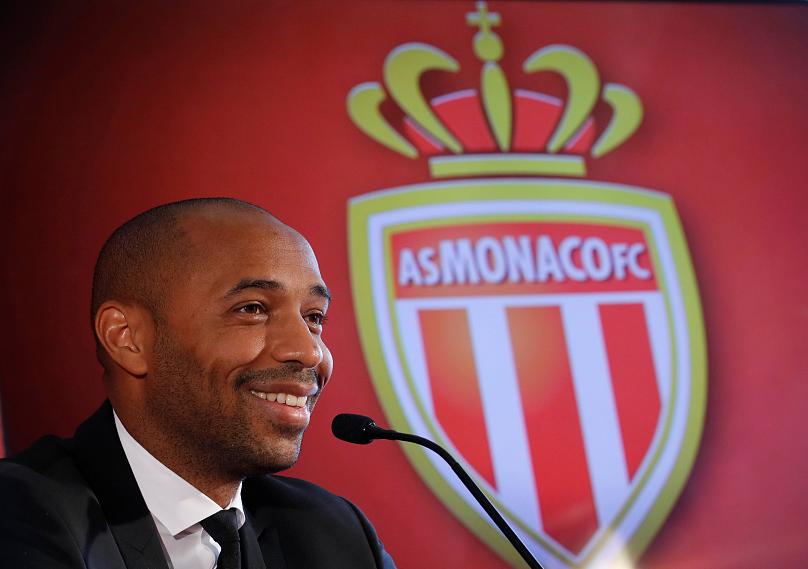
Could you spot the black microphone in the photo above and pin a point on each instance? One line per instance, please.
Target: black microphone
(358, 429)
(362, 430)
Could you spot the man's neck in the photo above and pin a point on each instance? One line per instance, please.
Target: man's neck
(219, 487)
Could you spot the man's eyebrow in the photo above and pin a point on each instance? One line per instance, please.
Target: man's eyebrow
(264, 284)
(244, 284)
(321, 290)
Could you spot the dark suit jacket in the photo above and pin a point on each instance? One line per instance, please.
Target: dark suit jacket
(74, 503)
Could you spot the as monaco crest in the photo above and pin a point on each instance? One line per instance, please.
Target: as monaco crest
(545, 328)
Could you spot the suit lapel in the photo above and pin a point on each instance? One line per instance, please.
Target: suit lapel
(260, 518)
(251, 555)
(101, 459)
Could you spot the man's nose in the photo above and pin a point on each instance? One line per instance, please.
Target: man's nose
(292, 341)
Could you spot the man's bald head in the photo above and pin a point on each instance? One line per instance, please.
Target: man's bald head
(147, 252)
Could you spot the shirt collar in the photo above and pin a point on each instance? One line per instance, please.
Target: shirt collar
(172, 500)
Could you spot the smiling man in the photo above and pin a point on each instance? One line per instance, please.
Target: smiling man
(208, 316)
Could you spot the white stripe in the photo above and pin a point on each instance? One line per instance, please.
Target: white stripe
(413, 342)
(503, 411)
(593, 392)
(659, 338)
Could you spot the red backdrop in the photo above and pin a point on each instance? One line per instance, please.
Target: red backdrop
(108, 109)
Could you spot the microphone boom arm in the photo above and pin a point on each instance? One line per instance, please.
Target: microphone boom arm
(373, 431)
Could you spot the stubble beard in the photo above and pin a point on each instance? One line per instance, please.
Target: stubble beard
(206, 435)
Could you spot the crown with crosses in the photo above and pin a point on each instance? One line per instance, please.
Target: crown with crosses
(470, 132)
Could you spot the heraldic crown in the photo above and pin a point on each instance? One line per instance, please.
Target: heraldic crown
(466, 138)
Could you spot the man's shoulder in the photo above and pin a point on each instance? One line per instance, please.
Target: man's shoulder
(293, 498)
(304, 513)
(49, 515)
(46, 469)
(49, 458)
(283, 491)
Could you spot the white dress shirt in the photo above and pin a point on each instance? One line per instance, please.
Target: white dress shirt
(176, 507)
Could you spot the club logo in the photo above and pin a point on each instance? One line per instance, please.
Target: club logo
(544, 327)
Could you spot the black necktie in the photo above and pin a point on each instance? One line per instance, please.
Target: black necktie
(223, 528)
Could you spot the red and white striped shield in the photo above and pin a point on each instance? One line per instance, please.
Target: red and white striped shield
(549, 334)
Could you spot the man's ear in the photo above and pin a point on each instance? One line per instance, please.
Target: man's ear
(124, 331)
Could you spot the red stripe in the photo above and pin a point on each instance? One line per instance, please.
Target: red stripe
(455, 391)
(551, 415)
(634, 379)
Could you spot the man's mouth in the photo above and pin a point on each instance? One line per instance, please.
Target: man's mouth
(282, 398)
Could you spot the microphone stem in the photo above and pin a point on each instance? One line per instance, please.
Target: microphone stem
(472, 487)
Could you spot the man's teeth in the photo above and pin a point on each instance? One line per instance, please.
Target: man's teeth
(285, 399)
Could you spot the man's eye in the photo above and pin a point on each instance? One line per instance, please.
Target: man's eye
(252, 308)
(316, 318)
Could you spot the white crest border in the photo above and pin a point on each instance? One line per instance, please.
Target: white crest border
(377, 222)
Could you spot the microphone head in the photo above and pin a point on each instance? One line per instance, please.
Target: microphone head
(356, 429)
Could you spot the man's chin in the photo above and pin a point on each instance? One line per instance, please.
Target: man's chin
(279, 456)
(268, 449)
(271, 467)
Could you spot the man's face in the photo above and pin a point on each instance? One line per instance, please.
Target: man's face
(239, 360)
